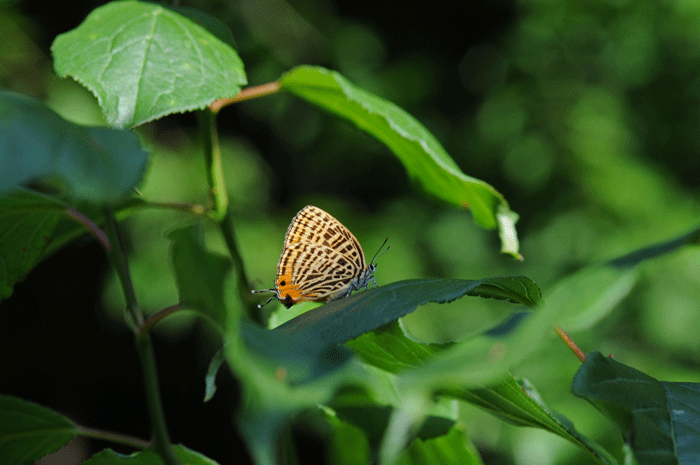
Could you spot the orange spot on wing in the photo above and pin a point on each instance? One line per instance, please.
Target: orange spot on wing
(286, 288)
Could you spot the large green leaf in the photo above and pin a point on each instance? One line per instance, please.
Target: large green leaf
(659, 420)
(92, 163)
(29, 431)
(342, 320)
(148, 457)
(425, 159)
(143, 61)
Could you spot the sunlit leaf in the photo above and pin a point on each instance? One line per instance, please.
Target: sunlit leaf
(518, 403)
(425, 159)
(143, 61)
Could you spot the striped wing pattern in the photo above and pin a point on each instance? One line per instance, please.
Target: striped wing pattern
(320, 261)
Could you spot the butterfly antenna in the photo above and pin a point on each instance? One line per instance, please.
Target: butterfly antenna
(264, 290)
(377, 255)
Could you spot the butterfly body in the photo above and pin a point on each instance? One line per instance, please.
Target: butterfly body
(321, 261)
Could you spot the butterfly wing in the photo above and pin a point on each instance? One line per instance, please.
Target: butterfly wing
(318, 227)
(314, 272)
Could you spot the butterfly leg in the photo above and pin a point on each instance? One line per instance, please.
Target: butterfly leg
(373, 281)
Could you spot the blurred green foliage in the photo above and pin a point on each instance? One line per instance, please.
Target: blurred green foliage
(584, 114)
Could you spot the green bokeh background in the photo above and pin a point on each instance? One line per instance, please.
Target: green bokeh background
(584, 114)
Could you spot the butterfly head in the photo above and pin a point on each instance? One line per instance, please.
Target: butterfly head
(368, 275)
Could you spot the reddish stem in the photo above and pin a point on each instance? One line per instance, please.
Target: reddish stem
(570, 343)
(246, 94)
(91, 226)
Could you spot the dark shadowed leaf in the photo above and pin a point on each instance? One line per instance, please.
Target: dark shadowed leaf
(210, 378)
(27, 223)
(345, 319)
(148, 457)
(659, 420)
(96, 164)
(33, 226)
(29, 431)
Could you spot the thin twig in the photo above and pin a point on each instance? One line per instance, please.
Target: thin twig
(156, 317)
(116, 438)
(570, 343)
(98, 233)
(246, 94)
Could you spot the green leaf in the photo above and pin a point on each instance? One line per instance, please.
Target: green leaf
(451, 449)
(95, 164)
(29, 431)
(575, 303)
(659, 420)
(518, 403)
(27, 223)
(657, 250)
(373, 419)
(342, 320)
(281, 376)
(148, 457)
(513, 401)
(389, 348)
(143, 61)
(294, 360)
(33, 226)
(209, 23)
(597, 289)
(347, 445)
(425, 159)
(200, 274)
(210, 378)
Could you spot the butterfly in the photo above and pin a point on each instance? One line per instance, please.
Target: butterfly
(321, 261)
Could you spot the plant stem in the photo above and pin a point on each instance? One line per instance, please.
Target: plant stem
(91, 226)
(570, 343)
(220, 211)
(116, 438)
(215, 169)
(144, 346)
(161, 439)
(118, 258)
(246, 94)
